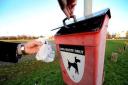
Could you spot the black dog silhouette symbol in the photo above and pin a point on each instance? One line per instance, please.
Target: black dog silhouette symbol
(74, 65)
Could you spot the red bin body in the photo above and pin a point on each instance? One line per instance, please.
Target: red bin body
(81, 49)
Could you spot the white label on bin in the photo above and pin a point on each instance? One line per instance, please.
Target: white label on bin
(74, 61)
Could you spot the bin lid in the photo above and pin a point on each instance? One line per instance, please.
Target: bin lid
(90, 23)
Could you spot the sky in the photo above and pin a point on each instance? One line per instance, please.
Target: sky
(119, 13)
(38, 17)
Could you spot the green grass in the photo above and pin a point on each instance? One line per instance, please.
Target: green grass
(29, 72)
(116, 73)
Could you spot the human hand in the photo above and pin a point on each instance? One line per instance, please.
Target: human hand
(67, 7)
(32, 47)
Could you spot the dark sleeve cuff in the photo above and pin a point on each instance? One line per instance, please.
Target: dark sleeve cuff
(8, 52)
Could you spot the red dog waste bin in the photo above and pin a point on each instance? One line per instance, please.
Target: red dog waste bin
(81, 47)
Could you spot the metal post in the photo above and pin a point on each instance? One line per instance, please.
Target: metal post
(87, 7)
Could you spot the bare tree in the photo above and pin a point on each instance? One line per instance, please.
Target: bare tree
(127, 35)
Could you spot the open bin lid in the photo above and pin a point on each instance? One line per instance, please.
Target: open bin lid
(90, 23)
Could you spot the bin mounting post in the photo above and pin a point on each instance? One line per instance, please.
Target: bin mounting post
(87, 7)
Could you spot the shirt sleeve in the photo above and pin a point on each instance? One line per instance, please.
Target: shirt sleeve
(8, 52)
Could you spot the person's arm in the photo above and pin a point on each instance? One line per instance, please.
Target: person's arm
(30, 47)
(11, 52)
(67, 6)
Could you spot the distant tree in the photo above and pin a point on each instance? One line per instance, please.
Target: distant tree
(127, 35)
(113, 36)
(41, 36)
(109, 36)
(11, 37)
(117, 35)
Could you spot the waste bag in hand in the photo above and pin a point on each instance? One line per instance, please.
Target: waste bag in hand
(46, 52)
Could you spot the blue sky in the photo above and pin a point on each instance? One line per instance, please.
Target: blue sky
(119, 13)
(38, 17)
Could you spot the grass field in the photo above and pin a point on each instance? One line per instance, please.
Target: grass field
(31, 72)
(116, 73)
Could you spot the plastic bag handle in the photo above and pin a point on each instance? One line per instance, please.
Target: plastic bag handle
(64, 23)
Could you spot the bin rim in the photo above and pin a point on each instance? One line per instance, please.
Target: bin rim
(89, 23)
